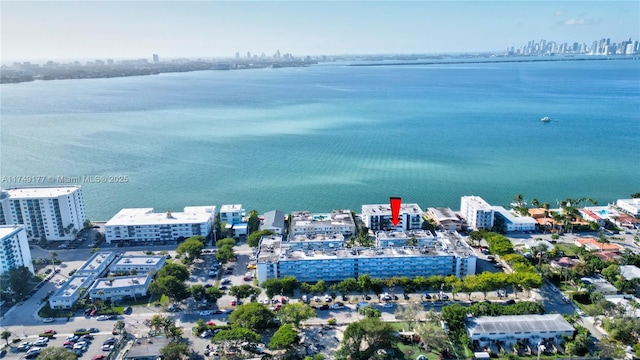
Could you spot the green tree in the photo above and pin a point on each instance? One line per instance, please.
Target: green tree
(295, 313)
(272, 287)
(213, 294)
(190, 248)
(224, 254)
(18, 280)
(252, 316)
(170, 286)
(56, 353)
(178, 271)
(254, 238)
(289, 285)
(410, 313)
(319, 287)
(243, 291)
(198, 291)
(347, 286)
(363, 338)
(226, 241)
(236, 335)
(253, 223)
(175, 351)
(635, 195)
(432, 335)
(364, 283)
(305, 288)
(284, 338)
(174, 333)
(5, 335)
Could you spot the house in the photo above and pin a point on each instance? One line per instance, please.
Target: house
(273, 220)
(629, 272)
(564, 262)
(146, 349)
(600, 284)
(594, 245)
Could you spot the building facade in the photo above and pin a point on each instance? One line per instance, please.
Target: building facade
(477, 212)
(120, 287)
(233, 216)
(14, 248)
(378, 217)
(274, 221)
(631, 206)
(513, 223)
(445, 218)
(70, 292)
(338, 221)
(277, 258)
(52, 213)
(141, 264)
(131, 226)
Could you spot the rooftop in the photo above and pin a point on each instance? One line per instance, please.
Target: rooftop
(146, 216)
(385, 209)
(593, 244)
(629, 272)
(517, 323)
(7, 230)
(443, 214)
(337, 237)
(477, 202)
(510, 217)
(230, 208)
(132, 260)
(404, 235)
(336, 218)
(146, 348)
(39, 192)
(98, 261)
(121, 282)
(73, 285)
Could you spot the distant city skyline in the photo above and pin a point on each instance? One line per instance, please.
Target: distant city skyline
(42, 31)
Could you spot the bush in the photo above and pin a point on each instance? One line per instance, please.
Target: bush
(332, 321)
(80, 333)
(47, 335)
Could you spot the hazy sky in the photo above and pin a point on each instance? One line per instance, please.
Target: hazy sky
(136, 29)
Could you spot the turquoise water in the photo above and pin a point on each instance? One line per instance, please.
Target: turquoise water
(321, 138)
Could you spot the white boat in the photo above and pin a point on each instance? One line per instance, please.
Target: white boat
(545, 119)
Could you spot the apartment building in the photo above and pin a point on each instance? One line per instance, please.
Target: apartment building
(14, 248)
(631, 206)
(70, 292)
(232, 216)
(274, 221)
(477, 212)
(97, 265)
(277, 258)
(120, 287)
(338, 221)
(419, 238)
(142, 225)
(141, 264)
(513, 222)
(53, 213)
(445, 218)
(378, 217)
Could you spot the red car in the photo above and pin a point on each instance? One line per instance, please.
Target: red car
(50, 331)
(98, 357)
(93, 312)
(233, 303)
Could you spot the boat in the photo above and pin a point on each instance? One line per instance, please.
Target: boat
(545, 119)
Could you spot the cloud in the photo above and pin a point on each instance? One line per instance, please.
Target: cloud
(571, 22)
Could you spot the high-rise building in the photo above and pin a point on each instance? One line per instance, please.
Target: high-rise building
(14, 248)
(156, 58)
(52, 213)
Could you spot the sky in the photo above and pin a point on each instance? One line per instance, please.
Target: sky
(55, 30)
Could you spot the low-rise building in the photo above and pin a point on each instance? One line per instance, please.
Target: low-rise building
(233, 217)
(338, 221)
(445, 218)
(513, 222)
(419, 238)
(631, 206)
(477, 213)
(141, 264)
(447, 256)
(315, 242)
(131, 226)
(564, 262)
(508, 330)
(120, 287)
(146, 349)
(70, 291)
(14, 248)
(592, 216)
(593, 244)
(274, 221)
(629, 272)
(377, 217)
(600, 284)
(97, 264)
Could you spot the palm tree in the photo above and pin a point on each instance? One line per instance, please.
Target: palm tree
(6, 335)
(535, 202)
(518, 199)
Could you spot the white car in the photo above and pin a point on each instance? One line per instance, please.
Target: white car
(265, 301)
(107, 347)
(336, 307)
(48, 320)
(387, 305)
(40, 343)
(80, 347)
(206, 312)
(102, 317)
(43, 338)
(316, 299)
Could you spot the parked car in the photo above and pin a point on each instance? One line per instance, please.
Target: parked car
(128, 310)
(93, 330)
(405, 296)
(102, 318)
(40, 343)
(50, 331)
(107, 347)
(110, 341)
(205, 312)
(48, 320)
(336, 306)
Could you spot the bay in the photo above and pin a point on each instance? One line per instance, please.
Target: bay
(325, 137)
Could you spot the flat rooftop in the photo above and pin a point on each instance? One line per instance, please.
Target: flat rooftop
(337, 237)
(385, 209)
(98, 261)
(39, 192)
(73, 285)
(6, 230)
(133, 260)
(146, 216)
(478, 202)
(443, 214)
(404, 235)
(120, 282)
(517, 323)
(510, 217)
(231, 208)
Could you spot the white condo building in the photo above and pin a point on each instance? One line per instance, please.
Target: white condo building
(514, 222)
(70, 292)
(337, 222)
(477, 212)
(632, 206)
(120, 287)
(233, 216)
(378, 217)
(141, 264)
(310, 259)
(14, 248)
(130, 226)
(55, 213)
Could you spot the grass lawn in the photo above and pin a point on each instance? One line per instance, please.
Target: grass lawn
(410, 351)
(567, 250)
(139, 301)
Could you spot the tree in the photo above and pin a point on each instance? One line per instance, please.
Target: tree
(241, 292)
(175, 351)
(190, 248)
(5, 335)
(174, 333)
(252, 316)
(284, 338)
(236, 336)
(364, 283)
(347, 286)
(198, 291)
(170, 286)
(305, 288)
(56, 353)
(272, 287)
(253, 223)
(363, 338)
(432, 335)
(295, 313)
(224, 254)
(289, 285)
(18, 279)
(535, 202)
(254, 238)
(179, 271)
(409, 313)
(635, 195)
(213, 294)
(226, 241)
(319, 287)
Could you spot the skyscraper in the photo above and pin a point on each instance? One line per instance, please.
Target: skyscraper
(156, 58)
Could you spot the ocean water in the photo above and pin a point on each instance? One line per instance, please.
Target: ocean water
(322, 137)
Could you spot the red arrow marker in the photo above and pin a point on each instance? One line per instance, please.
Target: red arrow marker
(395, 210)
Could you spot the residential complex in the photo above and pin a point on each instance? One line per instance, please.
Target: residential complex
(131, 226)
(138, 264)
(477, 212)
(97, 264)
(419, 238)
(486, 330)
(52, 213)
(378, 217)
(338, 221)
(14, 248)
(329, 260)
(445, 218)
(513, 222)
(120, 287)
(70, 292)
